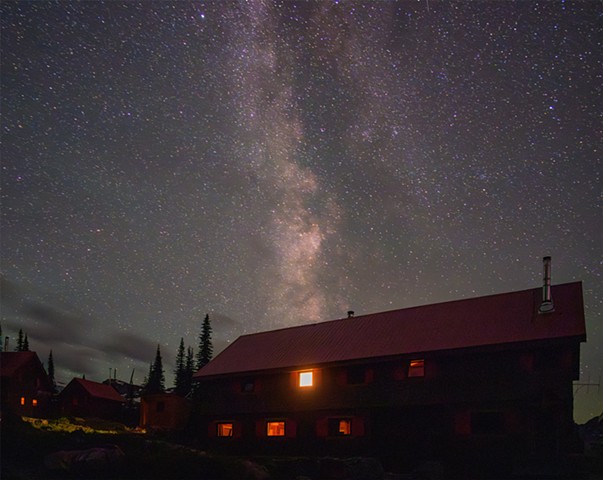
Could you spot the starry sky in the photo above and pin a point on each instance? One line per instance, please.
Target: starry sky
(274, 163)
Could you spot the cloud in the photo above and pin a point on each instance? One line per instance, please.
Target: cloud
(135, 347)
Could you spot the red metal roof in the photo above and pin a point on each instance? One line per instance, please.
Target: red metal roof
(10, 362)
(491, 320)
(99, 390)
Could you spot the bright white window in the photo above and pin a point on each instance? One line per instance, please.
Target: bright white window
(306, 379)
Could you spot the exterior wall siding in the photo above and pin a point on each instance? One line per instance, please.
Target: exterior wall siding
(496, 397)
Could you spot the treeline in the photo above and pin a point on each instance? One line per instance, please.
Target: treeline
(186, 364)
(23, 346)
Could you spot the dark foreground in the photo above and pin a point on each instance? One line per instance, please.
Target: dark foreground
(30, 453)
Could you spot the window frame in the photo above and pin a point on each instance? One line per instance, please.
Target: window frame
(219, 431)
(278, 435)
(304, 373)
(416, 368)
(334, 426)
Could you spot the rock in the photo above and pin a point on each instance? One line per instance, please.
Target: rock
(92, 458)
(254, 471)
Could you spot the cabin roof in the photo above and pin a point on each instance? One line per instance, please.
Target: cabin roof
(475, 322)
(13, 361)
(98, 390)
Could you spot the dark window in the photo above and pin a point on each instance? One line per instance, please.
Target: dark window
(487, 423)
(160, 407)
(340, 427)
(546, 361)
(356, 375)
(248, 385)
(416, 368)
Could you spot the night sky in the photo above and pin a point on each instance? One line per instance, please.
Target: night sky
(274, 163)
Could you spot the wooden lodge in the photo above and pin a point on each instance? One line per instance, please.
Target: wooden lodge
(483, 378)
(84, 398)
(26, 389)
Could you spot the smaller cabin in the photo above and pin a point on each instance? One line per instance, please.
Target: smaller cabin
(25, 389)
(164, 411)
(85, 398)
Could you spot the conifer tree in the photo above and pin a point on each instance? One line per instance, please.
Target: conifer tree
(206, 348)
(1, 338)
(19, 341)
(25, 344)
(180, 372)
(156, 383)
(51, 372)
(190, 368)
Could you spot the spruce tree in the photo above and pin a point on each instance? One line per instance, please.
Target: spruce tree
(156, 383)
(25, 344)
(51, 372)
(206, 348)
(190, 368)
(19, 341)
(180, 372)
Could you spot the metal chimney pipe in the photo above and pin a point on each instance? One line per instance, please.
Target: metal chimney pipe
(350, 313)
(547, 302)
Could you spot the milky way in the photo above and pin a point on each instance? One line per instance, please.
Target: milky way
(279, 163)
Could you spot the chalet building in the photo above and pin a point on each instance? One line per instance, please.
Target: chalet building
(25, 389)
(482, 378)
(164, 411)
(84, 398)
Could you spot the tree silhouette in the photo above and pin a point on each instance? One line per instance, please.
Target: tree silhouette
(19, 341)
(1, 338)
(206, 348)
(180, 372)
(25, 344)
(190, 368)
(51, 373)
(156, 381)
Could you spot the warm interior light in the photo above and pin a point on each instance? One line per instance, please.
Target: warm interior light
(416, 368)
(345, 427)
(22, 400)
(275, 429)
(34, 402)
(225, 429)
(306, 379)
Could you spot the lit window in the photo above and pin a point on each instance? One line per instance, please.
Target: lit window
(306, 379)
(22, 400)
(339, 427)
(275, 429)
(416, 368)
(224, 429)
(34, 402)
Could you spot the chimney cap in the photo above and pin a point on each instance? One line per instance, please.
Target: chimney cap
(350, 313)
(547, 302)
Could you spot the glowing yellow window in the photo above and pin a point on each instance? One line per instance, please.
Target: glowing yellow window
(416, 368)
(275, 429)
(306, 379)
(22, 400)
(34, 402)
(225, 429)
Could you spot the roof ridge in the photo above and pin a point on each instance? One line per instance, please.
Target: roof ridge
(386, 312)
